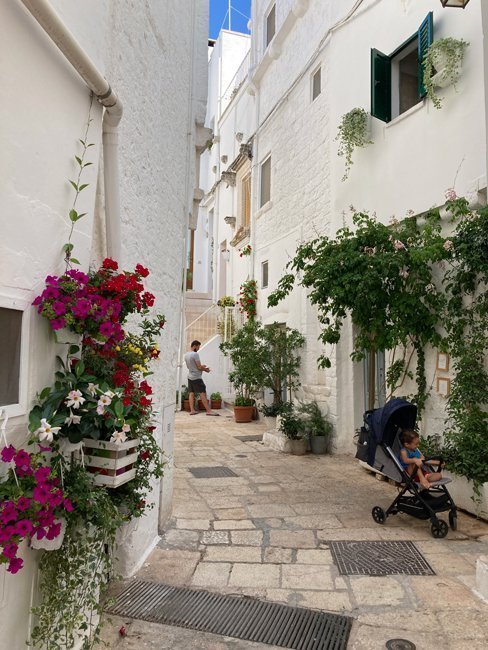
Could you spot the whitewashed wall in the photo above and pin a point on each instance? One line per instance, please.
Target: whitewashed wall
(154, 56)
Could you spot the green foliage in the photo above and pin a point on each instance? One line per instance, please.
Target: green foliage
(316, 423)
(215, 396)
(73, 577)
(379, 275)
(247, 375)
(274, 409)
(240, 400)
(452, 52)
(352, 132)
(291, 423)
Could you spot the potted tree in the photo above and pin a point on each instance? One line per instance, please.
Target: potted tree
(216, 400)
(247, 375)
(293, 426)
(185, 399)
(317, 426)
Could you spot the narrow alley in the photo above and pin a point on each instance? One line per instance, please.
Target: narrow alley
(266, 534)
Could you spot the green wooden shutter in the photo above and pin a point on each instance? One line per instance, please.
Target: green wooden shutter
(425, 40)
(380, 86)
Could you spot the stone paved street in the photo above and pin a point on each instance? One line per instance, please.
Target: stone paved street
(266, 533)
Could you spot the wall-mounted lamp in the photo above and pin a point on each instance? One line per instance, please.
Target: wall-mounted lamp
(225, 255)
(454, 3)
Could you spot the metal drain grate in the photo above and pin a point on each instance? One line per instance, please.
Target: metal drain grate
(400, 644)
(241, 618)
(211, 472)
(379, 558)
(255, 438)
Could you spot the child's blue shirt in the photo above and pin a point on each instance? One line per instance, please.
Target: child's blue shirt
(410, 454)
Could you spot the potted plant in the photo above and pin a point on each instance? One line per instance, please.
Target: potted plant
(185, 398)
(318, 427)
(353, 131)
(247, 375)
(216, 400)
(243, 408)
(271, 412)
(293, 426)
(442, 66)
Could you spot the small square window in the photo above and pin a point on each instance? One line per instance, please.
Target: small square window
(270, 25)
(265, 194)
(264, 275)
(10, 339)
(316, 83)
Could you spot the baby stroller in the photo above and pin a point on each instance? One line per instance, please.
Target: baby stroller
(379, 446)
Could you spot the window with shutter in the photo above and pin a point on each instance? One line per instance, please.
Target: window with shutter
(397, 78)
(264, 275)
(10, 340)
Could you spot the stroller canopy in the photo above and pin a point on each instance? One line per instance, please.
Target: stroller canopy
(384, 423)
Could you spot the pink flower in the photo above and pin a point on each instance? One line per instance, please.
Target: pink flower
(398, 245)
(15, 565)
(8, 453)
(451, 194)
(448, 245)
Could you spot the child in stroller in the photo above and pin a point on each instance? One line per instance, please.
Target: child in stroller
(411, 457)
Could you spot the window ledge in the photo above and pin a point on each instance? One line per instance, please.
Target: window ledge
(267, 206)
(406, 114)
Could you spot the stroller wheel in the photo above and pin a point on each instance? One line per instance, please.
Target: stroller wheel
(439, 529)
(453, 520)
(378, 515)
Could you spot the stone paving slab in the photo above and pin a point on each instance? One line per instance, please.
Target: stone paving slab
(266, 534)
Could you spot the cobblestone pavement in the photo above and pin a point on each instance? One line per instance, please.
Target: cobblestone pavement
(266, 533)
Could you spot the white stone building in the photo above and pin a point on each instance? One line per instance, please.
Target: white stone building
(154, 56)
(310, 63)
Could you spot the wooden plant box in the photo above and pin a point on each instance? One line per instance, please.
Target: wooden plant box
(111, 463)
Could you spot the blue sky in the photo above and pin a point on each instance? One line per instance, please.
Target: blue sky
(218, 11)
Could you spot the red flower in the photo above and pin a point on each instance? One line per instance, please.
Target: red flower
(145, 455)
(142, 271)
(148, 299)
(144, 401)
(122, 631)
(126, 401)
(110, 264)
(144, 386)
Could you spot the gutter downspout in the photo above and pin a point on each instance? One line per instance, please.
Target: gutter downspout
(54, 27)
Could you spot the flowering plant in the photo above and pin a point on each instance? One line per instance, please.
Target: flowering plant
(95, 304)
(248, 296)
(246, 251)
(31, 503)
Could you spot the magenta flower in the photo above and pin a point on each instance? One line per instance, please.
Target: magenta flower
(23, 527)
(54, 531)
(23, 503)
(82, 308)
(106, 328)
(59, 308)
(8, 514)
(15, 564)
(56, 498)
(10, 550)
(41, 494)
(68, 506)
(42, 474)
(58, 323)
(8, 453)
(50, 293)
(39, 533)
(22, 459)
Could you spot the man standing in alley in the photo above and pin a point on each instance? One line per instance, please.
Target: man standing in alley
(195, 381)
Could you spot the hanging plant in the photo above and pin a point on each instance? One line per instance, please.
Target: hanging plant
(353, 131)
(248, 296)
(442, 66)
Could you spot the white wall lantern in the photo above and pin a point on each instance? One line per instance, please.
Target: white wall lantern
(454, 3)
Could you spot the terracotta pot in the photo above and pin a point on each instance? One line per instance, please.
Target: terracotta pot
(299, 447)
(216, 403)
(200, 406)
(186, 405)
(243, 413)
(255, 413)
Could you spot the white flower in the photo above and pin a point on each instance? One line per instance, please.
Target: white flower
(126, 428)
(72, 419)
(451, 194)
(119, 437)
(398, 245)
(92, 389)
(448, 245)
(403, 273)
(100, 409)
(75, 399)
(109, 394)
(46, 432)
(430, 288)
(104, 400)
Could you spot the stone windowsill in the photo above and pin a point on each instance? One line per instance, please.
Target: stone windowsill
(267, 206)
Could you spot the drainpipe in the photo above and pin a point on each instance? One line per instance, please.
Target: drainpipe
(54, 27)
